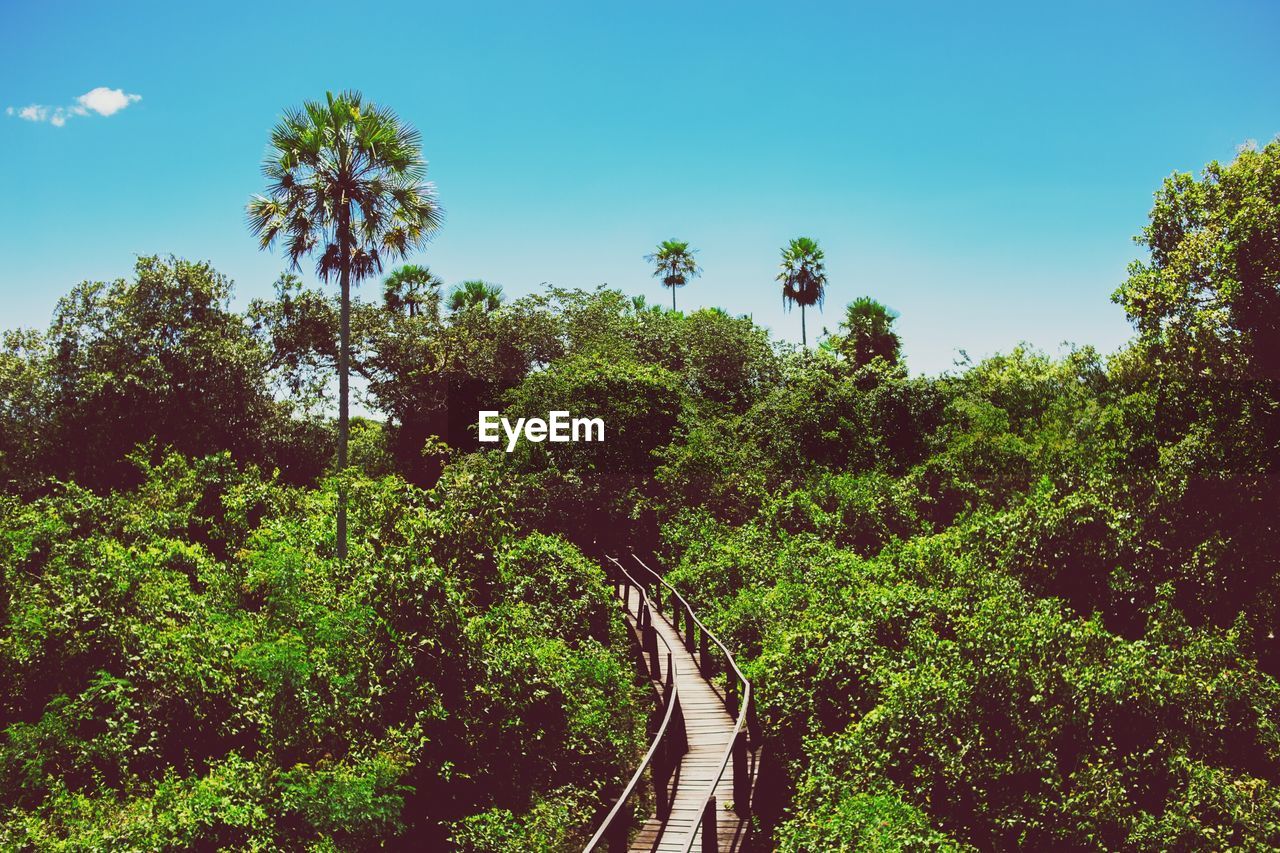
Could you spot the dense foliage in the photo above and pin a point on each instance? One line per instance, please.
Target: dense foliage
(1030, 603)
(187, 665)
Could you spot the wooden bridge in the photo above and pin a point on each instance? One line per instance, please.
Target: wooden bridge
(697, 779)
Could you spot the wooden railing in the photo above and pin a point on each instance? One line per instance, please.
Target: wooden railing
(669, 743)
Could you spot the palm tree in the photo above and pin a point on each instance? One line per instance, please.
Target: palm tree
(869, 333)
(346, 184)
(641, 307)
(410, 289)
(475, 294)
(803, 277)
(674, 264)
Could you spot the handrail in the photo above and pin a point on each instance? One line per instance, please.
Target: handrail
(671, 694)
(737, 747)
(689, 609)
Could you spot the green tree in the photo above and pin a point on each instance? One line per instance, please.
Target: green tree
(475, 294)
(411, 289)
(299, 328)
(673, 263)
(161, 356)
(25, 407)
(1203, 395)
(803, 277)
(346, 184)
(589, 489)
(869, 333)
(1207, 298)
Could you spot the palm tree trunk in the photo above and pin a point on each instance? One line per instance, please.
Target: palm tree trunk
(344, 344)
(804, 340)
(673, 299)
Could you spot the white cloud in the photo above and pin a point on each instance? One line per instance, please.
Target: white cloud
(103, 101)
(32, 112)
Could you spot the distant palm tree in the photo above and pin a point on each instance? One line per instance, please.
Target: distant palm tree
(803, 277)
(410, 289)
(642, 307)
(869, 333)
(345, 184)
(674, 264)
(475, 294)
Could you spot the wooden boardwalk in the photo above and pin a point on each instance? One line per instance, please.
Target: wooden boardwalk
(710, 731)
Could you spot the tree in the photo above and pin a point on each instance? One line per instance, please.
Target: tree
(26, 396)
(475, 294)
(1205, 369)
(1207, 300)
(589, 490)
(803, 277)
(674, 264)
(346, 183)
(161, 356)
(412, 289)
(724, 360)
(299, 329)
(869, 333)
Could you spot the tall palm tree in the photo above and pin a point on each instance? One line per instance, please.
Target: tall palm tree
(475, 294)
(345, 184)
(803, 277)
(410, 288)
(674, 264)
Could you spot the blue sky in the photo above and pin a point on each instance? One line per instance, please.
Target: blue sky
(982, 171)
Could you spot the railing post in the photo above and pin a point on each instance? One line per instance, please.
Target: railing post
(688, 631)
(679, 734)
(710, 844)
(660, 774)
(618, 834)
(650, 636)
(704, 662)
(731, 694)
(741, 776)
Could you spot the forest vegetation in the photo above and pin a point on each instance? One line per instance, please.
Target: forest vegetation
(1029, 603)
